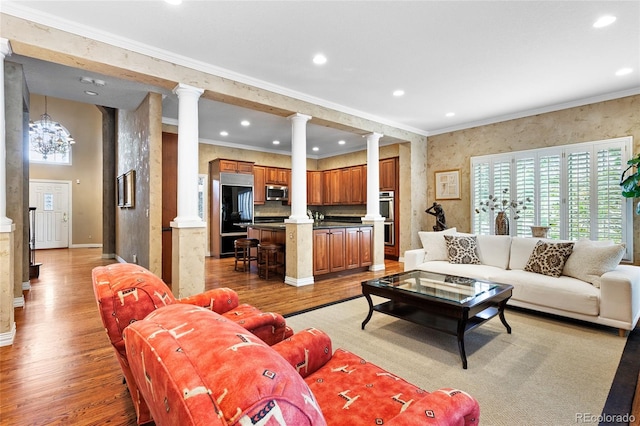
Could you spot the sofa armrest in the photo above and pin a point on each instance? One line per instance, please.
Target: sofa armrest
(219, 300)
(443, 407)
(620, 295)
(413, 258)
(306, 351)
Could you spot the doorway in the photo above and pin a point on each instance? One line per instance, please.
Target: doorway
(52, 201)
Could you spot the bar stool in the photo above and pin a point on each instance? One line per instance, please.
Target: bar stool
(242, 252)
(268, 259)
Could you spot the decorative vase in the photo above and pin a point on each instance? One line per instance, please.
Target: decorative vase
(502, 224)
(539, 231)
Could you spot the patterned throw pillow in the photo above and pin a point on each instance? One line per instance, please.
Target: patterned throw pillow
(462, 249)
(549, 258)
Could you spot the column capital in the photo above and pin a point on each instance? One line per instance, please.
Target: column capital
(374, 135)
(182, 88)
(5, 47)
(299, 116)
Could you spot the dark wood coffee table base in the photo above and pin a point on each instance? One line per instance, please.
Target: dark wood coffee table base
(439, 315)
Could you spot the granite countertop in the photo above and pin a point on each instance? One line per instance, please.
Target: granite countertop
(316, 225)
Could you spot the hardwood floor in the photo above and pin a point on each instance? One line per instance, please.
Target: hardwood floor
(61, 368)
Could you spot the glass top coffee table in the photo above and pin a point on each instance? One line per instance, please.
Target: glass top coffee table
(446, 303)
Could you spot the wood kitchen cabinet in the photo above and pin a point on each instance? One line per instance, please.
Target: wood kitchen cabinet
(326, 187)
(277, 176)
(259, 196)
(358, 193)
(388, 179)
(232, 166)
(314, 188)
(334, 185)
(358, 247)
(328, 250)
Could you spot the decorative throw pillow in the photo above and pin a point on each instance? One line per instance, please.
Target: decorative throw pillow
(434, 245)
(462, 249)
(549, 258)
(590, 259)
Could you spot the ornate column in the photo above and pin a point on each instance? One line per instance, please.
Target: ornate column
(7, 227)
(373, 201)
(299, 241)
(189, 231)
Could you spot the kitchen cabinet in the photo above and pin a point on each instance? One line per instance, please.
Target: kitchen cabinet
(259, 196)
(314, 188)
(277, 176)
(232, 166)
(388, 179)
(328, 250)
(326, 187)
(358, 247)
(336, 193)
(357, 194)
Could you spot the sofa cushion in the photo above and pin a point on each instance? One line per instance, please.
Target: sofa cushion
(494, 250)
(462, 249)
(549, 258)
(521, 249)
(478, 272)
(564, 293)
(194, 366)
(434, 245)
(590, 259)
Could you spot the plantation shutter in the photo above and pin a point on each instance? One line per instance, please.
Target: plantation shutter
(525, 172)
(550, 200)
(610, 204)
(480, 191)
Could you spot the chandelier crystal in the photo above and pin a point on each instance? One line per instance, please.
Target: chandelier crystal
(48, 137)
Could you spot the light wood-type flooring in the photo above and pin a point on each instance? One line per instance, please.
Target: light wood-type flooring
(62, 370)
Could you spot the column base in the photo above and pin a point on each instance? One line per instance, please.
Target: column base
(7, 338)
(187, 271)
(298, 282)
(18, 302)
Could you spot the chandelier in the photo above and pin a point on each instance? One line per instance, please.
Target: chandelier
(49, 137)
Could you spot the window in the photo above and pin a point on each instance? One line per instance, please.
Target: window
(574, 189)
(56, 158)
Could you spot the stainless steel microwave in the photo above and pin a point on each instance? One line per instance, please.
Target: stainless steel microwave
(277, 193)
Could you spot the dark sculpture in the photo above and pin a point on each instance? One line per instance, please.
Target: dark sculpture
(437, 211)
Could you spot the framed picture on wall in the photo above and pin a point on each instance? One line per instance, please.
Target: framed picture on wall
(447, 185)
(120, 190)
(130, 189)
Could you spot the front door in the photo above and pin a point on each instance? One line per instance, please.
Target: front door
(53, 210)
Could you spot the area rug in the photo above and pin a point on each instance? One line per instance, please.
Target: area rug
(547, 372)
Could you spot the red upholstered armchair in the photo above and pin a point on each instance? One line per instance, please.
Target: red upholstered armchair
(238, 380)
(126, 293)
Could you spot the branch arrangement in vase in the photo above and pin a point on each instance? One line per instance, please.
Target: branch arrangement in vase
(503, 204)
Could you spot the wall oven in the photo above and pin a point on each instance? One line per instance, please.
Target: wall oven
(386, 205)
(386, 211)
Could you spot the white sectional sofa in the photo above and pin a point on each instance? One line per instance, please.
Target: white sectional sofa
(593, 286)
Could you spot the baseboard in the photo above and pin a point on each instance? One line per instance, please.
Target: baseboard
(85, 246)
(298, 282)
(18, 302)
(26, 285)
(378, 267)
(7, 338)
(108, 255)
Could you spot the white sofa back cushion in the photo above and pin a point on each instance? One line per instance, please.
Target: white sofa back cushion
(494, 250)
(434, 245)
(521, 248)
(591, 259)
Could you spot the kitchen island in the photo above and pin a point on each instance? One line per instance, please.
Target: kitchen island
(337, 246)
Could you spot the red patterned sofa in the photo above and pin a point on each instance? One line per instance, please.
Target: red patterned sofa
(236, 379)
(126, 293)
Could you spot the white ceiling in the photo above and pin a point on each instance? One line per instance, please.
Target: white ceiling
(486, 61)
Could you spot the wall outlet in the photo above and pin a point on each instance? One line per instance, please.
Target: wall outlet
(135, 259)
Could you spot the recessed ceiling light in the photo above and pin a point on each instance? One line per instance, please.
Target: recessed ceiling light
(604, 21)
(319, 59)
(87, 80)
(624, 71)
(100, 83)
(245, 123)
(341, 142)
(276, 142)
(91, 93)
(398, 93)
(450, 114)
(315, 148)
(224, 133)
